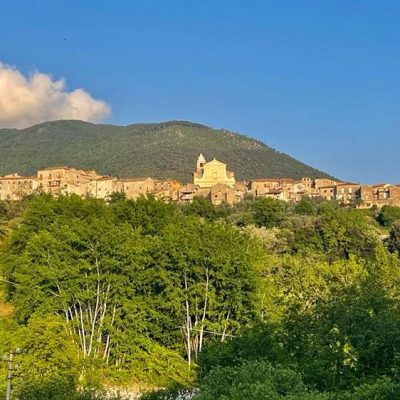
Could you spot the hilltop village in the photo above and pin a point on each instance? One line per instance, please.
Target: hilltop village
(211, 180)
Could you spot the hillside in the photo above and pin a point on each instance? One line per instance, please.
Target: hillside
(163, 150)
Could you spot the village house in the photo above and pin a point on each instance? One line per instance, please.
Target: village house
(14, 186)
(103, 187)
(347, 193)
(167, 190)
(324, 182)
(307, 183)
(282, 188)
(64, 179)
(260, 187)
(241, 188)
(135, 187)
(277, 194)
(221, 193)
(187, 193)
(327, 192)
(394, 195)
(379, 195)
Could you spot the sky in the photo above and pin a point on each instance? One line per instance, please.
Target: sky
(319, 80)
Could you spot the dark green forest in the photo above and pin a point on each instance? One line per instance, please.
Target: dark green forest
(261, 300)
(166, 150)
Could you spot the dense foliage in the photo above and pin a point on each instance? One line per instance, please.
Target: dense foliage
(263, 300)
(166, 150)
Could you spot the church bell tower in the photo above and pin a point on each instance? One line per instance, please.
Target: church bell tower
(200, 163)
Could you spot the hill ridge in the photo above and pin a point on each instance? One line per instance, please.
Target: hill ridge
(162, 150)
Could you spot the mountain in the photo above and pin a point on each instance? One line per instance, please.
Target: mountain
(161, 150)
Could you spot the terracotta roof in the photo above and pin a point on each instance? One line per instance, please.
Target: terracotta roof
(266, 180)
(379, 185)
(57, 167)
(348, 184)
(287, 180)
(327, 187)
(16, 177)
(106, 178)
(134, 179)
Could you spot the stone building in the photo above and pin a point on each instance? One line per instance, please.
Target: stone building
(324, 182)
(327, 192)
(135, 187)
(104, 187)
(394, 195)
(187, 193)
(347, 193)
(261, 187)
(167, 190)
(379, 195)
(285, 189)
(64, 179)
(221, 193)
(241, 189)
(307, 183)
(14, 186)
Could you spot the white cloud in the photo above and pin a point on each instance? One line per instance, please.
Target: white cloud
(25, 101)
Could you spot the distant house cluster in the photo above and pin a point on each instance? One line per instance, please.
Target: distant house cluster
(211, 180)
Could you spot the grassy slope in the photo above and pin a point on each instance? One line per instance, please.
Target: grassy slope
(166, 150)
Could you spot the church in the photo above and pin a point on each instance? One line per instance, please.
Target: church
(209, 174)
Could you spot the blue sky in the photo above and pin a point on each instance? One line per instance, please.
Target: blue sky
(319, 80)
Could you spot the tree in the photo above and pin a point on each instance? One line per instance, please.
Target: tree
(388, 215)
(201, 207)
(305, 206)
(214, 271)
(268, 212)
(394, 238)
(253, 380)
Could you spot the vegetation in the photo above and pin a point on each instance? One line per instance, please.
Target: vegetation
(262, 300)
(165, 150)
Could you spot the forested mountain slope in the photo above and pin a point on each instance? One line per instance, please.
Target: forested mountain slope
(163, 150)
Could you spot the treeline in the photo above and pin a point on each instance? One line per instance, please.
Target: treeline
(260, 300)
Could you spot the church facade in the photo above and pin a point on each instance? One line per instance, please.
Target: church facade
(209, 174)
